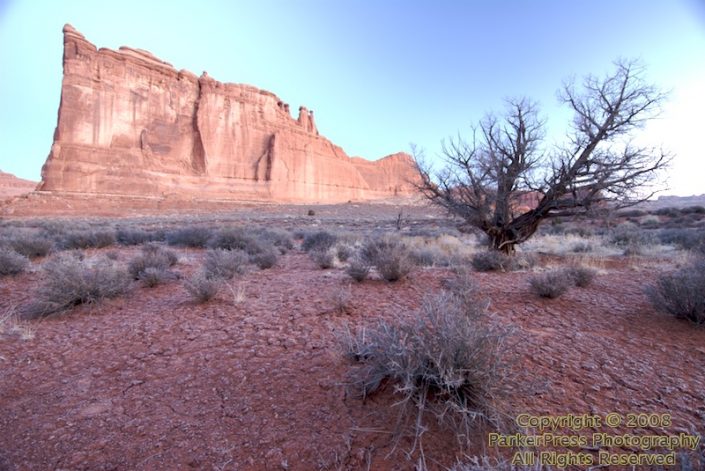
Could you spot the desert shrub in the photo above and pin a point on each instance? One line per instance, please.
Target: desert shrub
(189, 237)
(631, 213)
(681, 293)
(225, 264)
(491, 260)
(687, 239)
(87, 239)
(628, 234)
(311, 212)
(424, 257)
(68, 281)
(344, 252)
(581, 247)
(445, 360)
(464, 287)
(235, 239)
(389, 256)
(581, 276)
(11, 263)
(650, 220)
(324, 258)
(522, 261)
(152, 276)
(341, 300)
(201, 287)
(320, 240)
(152, 256)
(267, 258)
(280, 239)
(633, 250)
(30, 245)
(550, 284)
(137, 236)
(358, 269)
(693, 210)
(670, 212)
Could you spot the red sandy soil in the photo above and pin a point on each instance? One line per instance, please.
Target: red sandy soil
(151, 381)
(53, 204)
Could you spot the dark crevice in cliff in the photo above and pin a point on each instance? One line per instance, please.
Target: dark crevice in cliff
(198, 154)
(268, 157)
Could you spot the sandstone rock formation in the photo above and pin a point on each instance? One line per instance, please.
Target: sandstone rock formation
(11, 186)
(130, 124)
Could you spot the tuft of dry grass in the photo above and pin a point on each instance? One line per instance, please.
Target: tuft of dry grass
(341, 300)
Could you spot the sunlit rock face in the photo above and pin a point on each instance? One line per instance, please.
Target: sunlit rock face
(131, 124)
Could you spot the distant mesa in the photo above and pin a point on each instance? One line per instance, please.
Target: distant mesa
(131, 124)
(11, 186)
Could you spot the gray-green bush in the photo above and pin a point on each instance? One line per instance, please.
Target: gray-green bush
(358, 269)
(445, 360)
(491, 260)
(389, 256)
(30, 245)
(550, 284)
(225, 264)
(12, 263)
(681, 293)
(68, 281)
(202, 288)
(320, 240)
(152, 256)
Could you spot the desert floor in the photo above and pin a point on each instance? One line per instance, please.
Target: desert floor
(255, 379)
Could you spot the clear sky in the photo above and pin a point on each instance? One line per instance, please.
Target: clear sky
(380, 74)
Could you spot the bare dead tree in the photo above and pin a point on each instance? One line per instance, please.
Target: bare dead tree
(486, 178)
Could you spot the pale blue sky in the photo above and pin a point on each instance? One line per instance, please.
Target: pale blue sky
(379, 74)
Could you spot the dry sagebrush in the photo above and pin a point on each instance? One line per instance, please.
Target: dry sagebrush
(446, 360)
(68, 281)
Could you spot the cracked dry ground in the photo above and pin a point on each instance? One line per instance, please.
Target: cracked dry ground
(152, 381)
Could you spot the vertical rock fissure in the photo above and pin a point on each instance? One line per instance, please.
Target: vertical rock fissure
(268, 156)
(198, 154)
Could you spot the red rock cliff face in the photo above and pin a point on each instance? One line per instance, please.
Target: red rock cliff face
(131, 124)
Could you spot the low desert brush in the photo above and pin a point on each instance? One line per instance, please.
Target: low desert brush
(152, 256)
(324, 258)
(681, 293)
(202, 288)
(267, 258)
(225, 264)
(550, 284)
(581, 276)
(389, 256)
(491, 260)
(445, 360)
(68, 281)
(11, 263)
(30, 245)
(320, 240)
(358, 269)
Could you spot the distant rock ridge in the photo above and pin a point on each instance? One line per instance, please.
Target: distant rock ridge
(129, 123)
(11, 185)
